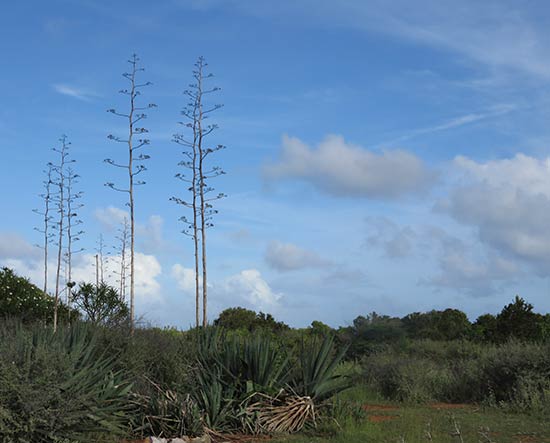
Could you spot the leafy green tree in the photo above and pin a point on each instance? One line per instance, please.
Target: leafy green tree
(319, 328)
(450, 324)
(101, 304)
(369, 332)
(485, 328)
(20, 298)
(245, 319)
(518, 320)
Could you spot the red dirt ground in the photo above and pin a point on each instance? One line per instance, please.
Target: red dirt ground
(368, 407)
(522, 438)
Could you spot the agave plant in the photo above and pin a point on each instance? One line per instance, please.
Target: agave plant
(266, 367)
(316, 375)
(230, 371)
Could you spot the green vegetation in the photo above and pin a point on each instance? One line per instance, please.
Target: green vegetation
(20, 298)
(93, 381)
(58, 386)
(514, 374)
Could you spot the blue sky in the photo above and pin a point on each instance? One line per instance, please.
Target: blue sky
(380, 155)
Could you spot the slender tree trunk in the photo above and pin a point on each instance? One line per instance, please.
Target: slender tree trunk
(202, 202)
(45, 264)
(131, 194)
(46, 227)
(195, 227)
(96, 270)
(195, 160)
(60, 236)
(69, 230)
(197, 285)
(123, 266)
(204, 280)
(134, 165)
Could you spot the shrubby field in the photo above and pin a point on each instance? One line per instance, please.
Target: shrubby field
(431, 376)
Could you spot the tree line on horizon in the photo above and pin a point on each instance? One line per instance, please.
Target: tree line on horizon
(101, 305)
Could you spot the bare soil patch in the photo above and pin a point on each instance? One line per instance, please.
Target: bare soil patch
(369, 407)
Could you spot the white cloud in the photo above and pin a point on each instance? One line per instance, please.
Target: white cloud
(249, 286)
(289, 257)
(508, 203)
(185, 277)
(147, 271)
(111, 218)
(74, 92)
(344, 169)
(246, 288)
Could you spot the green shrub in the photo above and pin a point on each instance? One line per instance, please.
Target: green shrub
(512, 374)
(20, 298)
(58, 387)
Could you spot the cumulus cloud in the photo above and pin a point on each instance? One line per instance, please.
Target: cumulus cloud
(246, 288)
(508, 203)
(343, 169)
(147, 272)
(289, 257)
(24, 260)
(185, 277)
(250, 286)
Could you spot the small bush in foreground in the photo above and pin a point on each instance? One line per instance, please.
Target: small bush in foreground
(58, 387)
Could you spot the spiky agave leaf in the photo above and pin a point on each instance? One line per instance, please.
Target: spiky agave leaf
(316, 376)
(266, 367)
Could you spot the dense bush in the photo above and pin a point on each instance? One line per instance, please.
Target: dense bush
(20, 298)
(514, 374)
(247, 320)
(58, 387)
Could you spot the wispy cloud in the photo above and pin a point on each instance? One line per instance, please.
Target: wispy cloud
(75, 92)
(495, 35)
(457, 122)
